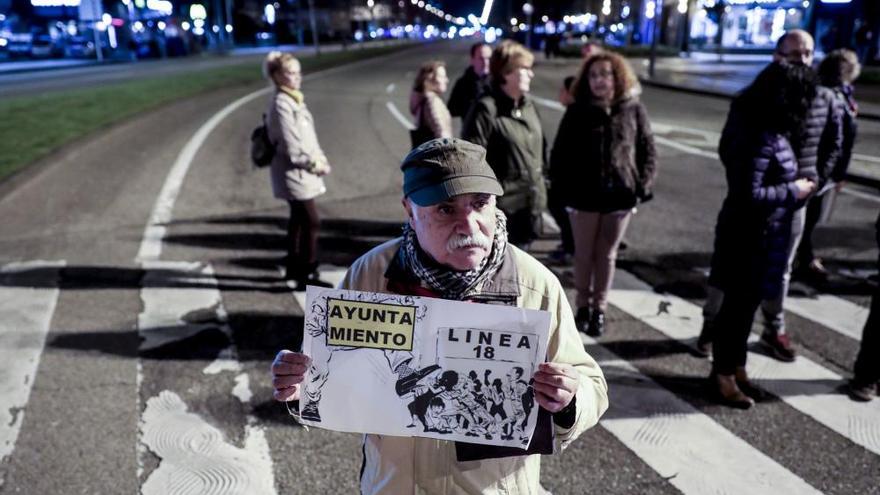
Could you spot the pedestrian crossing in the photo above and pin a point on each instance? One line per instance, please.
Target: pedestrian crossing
(183, 449)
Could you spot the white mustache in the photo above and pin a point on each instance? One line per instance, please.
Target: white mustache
(467, 241)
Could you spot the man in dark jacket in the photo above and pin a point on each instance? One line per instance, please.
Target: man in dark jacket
(472, 83)
(794, 47)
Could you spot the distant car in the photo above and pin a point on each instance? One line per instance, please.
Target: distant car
(79, 47)
(19, 45)
(44, 46)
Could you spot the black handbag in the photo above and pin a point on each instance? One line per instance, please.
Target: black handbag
(422, 133)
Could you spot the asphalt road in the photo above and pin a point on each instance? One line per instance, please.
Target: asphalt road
(149, 373)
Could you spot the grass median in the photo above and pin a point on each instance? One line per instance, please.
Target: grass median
(34, 126)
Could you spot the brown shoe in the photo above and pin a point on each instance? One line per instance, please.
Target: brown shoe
(780, 346)
(729, 393)
(746, 386)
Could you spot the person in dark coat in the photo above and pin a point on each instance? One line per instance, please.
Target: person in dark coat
(505, 121)
(795, 47)
(865, 383)
(837, 72)
(754, 226)
(603, 164)
(473, 83)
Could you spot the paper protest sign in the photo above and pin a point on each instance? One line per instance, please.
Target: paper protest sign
(415, 366)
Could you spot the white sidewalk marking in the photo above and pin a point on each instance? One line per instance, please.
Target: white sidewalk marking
(837, 314)
(25, 317)
(803, 384)
(405, 122)
(390, 88)
(684, 446)
(180, 300)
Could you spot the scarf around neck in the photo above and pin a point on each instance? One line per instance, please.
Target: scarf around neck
(452, 284)
(296, 94)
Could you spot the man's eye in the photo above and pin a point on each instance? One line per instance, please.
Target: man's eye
(445, 210)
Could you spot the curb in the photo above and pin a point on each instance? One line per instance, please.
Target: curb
(855, 179)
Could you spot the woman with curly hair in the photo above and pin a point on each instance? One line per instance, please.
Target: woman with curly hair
(755, 222)
(433, 119)
(603, 165)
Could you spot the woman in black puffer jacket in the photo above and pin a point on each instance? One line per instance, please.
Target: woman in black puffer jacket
(602, 165)
(754, 226)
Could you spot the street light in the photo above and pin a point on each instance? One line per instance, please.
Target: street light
(528, 10)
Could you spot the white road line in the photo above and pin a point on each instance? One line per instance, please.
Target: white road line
(405, 122)
(686, 447)
(25, 317)
(180, 300)
(804, 385)
(151, 245)
(838, 314)
(390, 88)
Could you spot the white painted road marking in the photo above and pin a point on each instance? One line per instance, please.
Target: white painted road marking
(405, 122)
(804, 385)
(25, 317)
(195, 458)
(684, 446)
(835, 313)
(180, 300)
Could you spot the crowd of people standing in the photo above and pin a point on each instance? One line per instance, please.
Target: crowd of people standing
(785, 149)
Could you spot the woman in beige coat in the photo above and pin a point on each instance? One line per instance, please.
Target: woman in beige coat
(297, 167)
(432, 118)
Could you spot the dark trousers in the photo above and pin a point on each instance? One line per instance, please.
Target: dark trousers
(732, 328)
(805, 253)
(302, 238)
(867, 368)
(557, 209)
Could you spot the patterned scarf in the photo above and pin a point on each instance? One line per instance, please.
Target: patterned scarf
(451, 284)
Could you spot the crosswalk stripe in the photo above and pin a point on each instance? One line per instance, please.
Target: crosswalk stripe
(181, 300)
(25, 316)
(804, 384)
(653, 423)
(833, 312)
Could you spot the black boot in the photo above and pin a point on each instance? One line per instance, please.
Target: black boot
(597, 323)
(582, 319)
(704, 341)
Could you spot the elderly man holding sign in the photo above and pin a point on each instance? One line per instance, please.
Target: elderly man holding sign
(455, 247)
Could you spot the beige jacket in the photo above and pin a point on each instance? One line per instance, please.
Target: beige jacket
(400, 465)
(292, 130)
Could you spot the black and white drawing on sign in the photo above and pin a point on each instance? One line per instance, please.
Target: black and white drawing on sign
(316, 325)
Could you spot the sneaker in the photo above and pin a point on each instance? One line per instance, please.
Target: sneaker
(582, 319)
(780, 346)
(597, 323)
(861, 393)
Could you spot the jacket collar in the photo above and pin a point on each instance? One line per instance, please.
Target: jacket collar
(502, 288)
(505, 104)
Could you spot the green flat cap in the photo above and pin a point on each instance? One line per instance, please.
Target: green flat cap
(442, 168)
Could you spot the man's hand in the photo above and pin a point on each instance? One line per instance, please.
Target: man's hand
(288, 369)
(555, 385)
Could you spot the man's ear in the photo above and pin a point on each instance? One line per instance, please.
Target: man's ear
(409, 210)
